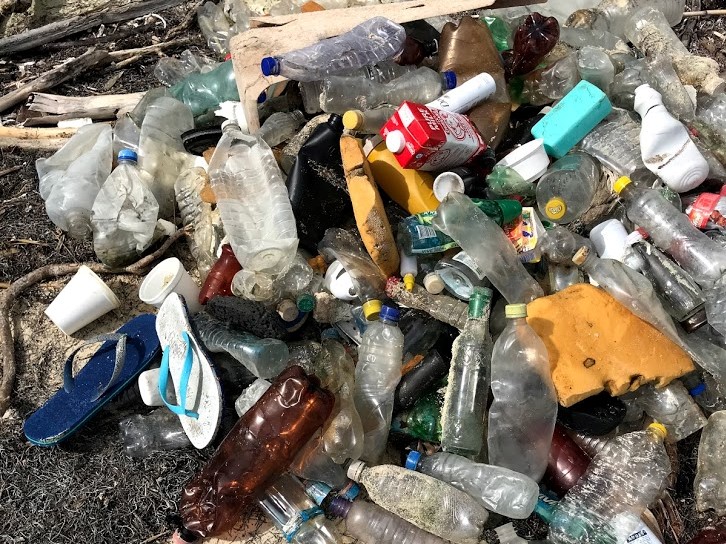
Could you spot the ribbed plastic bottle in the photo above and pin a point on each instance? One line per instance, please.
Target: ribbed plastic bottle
(372, 524)
(373, 41)
(295, 514)
(254, 206)
(160, 430)
(281, 126)
(533, 39)
(369, 121)
(203, 92)
(506, 492)
(670, 230)
(628, 475)
(428, 503)
(462, 418)
(566, 190)
(674, 408)
(377, 374)
(124, 213)
(523, 413)
(71, 178)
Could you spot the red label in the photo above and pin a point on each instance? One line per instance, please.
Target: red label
(702, 208)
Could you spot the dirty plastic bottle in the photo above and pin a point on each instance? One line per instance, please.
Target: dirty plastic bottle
(566, 190)
(214, 26)
(552, 82)
(462, 418)
(250, 396)
(280, 127)
(566, 462)
(428, 503)
(442, 307)
(533, 39)
(372, 524)
(715, 296)
(628, 475)
(485, 242)
(124, 213)
(295, 514)
(369, 121)
(203, 92)
(595, 66)
(710, 482)
(520, 432)
(219, 279)
(611, 15)
(674, 408)
(710, 535)
(376, 376)
(160, 430)
(665, 144)
(254, 206)
(673, 232)
(280, 423)
(71, 178)
(373, 41)
(497, 489)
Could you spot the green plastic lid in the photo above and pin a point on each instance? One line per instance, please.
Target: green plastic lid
(511, 209)
(480, 297)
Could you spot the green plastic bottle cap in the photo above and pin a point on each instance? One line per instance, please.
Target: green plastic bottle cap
(480, 297)
(511, 210)
(513, 311)
(306, 302)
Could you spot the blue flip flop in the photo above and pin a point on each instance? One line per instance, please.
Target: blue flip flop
(122, 357)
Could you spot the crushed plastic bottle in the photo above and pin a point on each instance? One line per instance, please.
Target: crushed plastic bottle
(160, 430)
(674, 408)
(203, 92)
(568, 187)
(710, 482)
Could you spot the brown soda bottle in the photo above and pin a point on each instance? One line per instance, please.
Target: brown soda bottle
(533, 39)
(468, 50)
(257, 450)
(566, 462)
(219, 279)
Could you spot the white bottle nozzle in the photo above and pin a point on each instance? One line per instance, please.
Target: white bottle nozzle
(645, 98)
(234, 113)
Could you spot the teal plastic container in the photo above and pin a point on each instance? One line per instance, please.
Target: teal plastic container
(572, 118)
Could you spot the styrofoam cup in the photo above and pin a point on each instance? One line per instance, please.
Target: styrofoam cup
(169, 276)
(84, 299)
(529, 160)
(609, 239)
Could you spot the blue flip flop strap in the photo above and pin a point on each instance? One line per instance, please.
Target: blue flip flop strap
(179, 409)
(118, 365)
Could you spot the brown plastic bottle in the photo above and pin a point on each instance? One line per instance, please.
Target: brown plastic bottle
(710, 535)
(566, 462)
(533, 39)
(219, 279)
(257, 450)
(468, 50)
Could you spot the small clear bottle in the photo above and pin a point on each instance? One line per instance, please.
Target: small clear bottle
(280, 127)
(673, 407)
(566, 190)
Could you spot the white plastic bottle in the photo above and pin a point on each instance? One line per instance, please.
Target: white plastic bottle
(665, 145)
(467, 95)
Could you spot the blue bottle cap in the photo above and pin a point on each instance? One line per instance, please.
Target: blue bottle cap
(389, 314)
(450, 79)
(700, 388)
(262, 98)
(270, 66)
(412, 460)
(127, 155)
(350, 491)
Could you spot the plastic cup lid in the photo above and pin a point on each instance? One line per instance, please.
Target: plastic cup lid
(515, 310)
(556, 208)
(447, 182)
(413, 459)
(395, 141)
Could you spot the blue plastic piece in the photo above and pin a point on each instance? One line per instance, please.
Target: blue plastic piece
(572, 118)
(127, 155)
(450, 78)
(350, 491)
(388, 313)
(700, 388)
(270, 66)
(412, 460)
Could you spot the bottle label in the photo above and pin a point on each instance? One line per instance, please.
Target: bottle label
(423, 232)
(292, 527)
(464, 258)
(524, 233)
(642, 536)
(706, 209)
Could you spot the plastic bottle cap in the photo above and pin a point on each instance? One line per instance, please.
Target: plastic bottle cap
(511, 210)
(353, 119)
(447, 182)
(389, 313)
(659, 429)
(581, 255)
(270, 66)
(306, 302)
(515, 310)
(127, 155)
(556, 208)
(480, 297)
(621, 183)
(288, 310)
(449, 79)
(700, 388)
(412, 460)
(433, 283)
(355, 469)
(371, 309)
(409, 280)
(395, 141)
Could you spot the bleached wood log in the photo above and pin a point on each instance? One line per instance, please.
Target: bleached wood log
(107, 106)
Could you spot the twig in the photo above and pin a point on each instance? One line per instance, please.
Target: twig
(705, 13)
(8, 297)
(129, 53)
(155, 537)
(134, 31)
(188, 21)
(10, 170)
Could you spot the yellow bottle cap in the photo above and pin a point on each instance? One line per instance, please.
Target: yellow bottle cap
(371, 309)
(515, 310)
(409, 280)
(659, 429)
(621, 183)
(352, 119)
(555, 208)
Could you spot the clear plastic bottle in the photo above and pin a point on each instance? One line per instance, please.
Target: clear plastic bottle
(710, 483)
(485, 242)
(369, 121)
(566, 190)
(160, 430)
(373, 41)
(372, 524)
(462, 417)
(125, 135)
(523, 414)
(171, 70)
(428, 503)
(712, 111)
(672, 232)
(558, 245)
(660, 74)
(255, 208)
(203, 92)
(214, 26)
(377, 374)
(506, 492)
(280, 127)
(124, 213)
(595, 66)
(442, 307)
(264, 357)
(715, 296)
(613, 14)
(250, 396)
(628, 475)
(312, 463)
(295, 514)
(161, 152)
(674, 408)
(71, 178)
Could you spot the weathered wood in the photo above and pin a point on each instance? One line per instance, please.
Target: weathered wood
(51, 144)
(275, 35)
(107, 106)
(56, 76)
(38, 139)
(107, 14)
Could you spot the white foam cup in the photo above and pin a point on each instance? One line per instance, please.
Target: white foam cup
(169, 276)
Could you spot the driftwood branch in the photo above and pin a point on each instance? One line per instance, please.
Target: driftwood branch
(9, 296)
(107, 106)
(40, 139)
(129, 56)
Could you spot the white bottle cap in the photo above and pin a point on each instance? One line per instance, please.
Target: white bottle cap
(395, 141)
(433, 283)
(447, 182)
(609, 239)
(287, 310)
(645, 98)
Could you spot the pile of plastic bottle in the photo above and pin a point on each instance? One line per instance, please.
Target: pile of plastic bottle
(400, 269)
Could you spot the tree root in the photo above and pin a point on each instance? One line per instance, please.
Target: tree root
(8, 298)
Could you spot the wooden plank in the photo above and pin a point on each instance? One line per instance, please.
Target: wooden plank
(283, 33)
(107, 106)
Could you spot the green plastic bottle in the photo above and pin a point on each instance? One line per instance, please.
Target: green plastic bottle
(501, 32)
(204, 92)
(423, 420)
